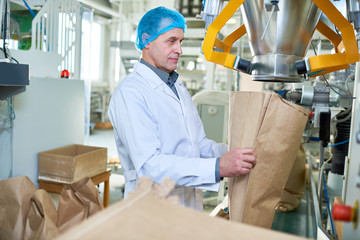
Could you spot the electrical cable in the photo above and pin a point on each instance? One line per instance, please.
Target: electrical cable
(337, 91)
(327, 203)
(2, 56)
(29, 8)
(322, 169)
(12, 117)
(344, 90)
(11, 131)
(11, 110)
(6, 116)
(343, 119)
(342, 113)
(324, 212)
(334, 122)
(10, 57)
(351, 76)
(13, 59)
(4, 30)
(5, 50)
(331, 87)
(4, 119)
(337, 144)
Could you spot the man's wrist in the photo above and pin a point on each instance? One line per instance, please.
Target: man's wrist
(217, 170)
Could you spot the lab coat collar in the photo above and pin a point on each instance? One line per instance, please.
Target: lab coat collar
(154, 80)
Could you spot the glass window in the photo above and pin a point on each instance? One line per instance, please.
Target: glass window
(92, 44)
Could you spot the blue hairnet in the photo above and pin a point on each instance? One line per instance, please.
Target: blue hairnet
(155, 22)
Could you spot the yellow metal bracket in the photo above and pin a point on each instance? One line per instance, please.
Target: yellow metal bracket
(211, 41)
(333, 37)
(346, 48)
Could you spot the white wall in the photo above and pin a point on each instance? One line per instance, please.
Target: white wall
(49, 114)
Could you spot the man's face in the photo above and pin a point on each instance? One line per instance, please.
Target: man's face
(165, 50)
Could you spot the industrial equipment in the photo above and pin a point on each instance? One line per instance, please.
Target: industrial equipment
(278, 45)
(14, 79)
(280, 35)
(15, 76)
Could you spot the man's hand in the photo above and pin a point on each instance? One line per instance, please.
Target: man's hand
(237, 162)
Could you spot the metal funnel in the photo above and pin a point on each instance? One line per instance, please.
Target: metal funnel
(279, 35)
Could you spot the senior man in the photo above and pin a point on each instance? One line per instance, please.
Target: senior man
(157, 129)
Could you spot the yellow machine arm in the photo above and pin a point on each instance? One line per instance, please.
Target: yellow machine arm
(346, 48)
(211, 41)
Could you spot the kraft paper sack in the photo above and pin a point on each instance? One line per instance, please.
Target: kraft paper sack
(29, 213)
(150, 213)
(15, 204)
(274, 127)
(78, 201)
(41, 220)
(295, 185)
(25, 211)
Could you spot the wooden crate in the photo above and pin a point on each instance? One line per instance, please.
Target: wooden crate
(71, 163)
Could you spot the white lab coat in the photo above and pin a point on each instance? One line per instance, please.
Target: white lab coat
(158, 135)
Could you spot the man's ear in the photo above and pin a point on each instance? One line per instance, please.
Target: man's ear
(147, 46)
(145, 37)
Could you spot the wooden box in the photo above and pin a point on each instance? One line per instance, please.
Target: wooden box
(71, 163)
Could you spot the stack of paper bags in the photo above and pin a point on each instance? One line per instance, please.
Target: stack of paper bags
(29, 213)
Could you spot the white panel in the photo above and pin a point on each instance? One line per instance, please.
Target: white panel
(42, 64)
(49, 114)
(352, 167)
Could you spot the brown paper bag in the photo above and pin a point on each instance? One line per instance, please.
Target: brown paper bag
(145, 214)
(244, 121)
(295, 185)
(78, 201)
(274, 127)
(15, 204)
(41, 220)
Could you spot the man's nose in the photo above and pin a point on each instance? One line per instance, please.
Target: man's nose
(178, 48)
